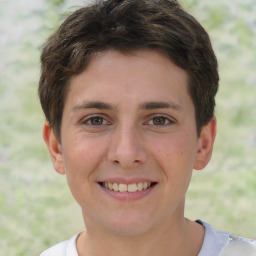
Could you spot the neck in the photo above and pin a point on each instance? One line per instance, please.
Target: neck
(180, 237)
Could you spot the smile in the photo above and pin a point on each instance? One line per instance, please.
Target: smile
(131, 188)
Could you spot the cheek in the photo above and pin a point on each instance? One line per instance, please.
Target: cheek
(175, 154)
(82, 156)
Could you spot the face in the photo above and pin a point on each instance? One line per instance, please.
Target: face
(129, 141)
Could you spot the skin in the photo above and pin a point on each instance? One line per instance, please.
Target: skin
(129, 117)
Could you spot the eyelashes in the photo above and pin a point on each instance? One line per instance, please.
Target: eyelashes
(98, 121)
(160, 121)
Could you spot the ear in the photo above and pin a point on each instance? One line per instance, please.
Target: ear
(54, 148)
(205, 144)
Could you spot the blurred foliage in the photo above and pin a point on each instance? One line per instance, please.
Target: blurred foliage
(55, 3)
(36, 208)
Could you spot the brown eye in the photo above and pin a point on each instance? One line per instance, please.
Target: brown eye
(97, 120)
(160, 120)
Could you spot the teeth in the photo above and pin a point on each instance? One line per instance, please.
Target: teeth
(140, 186)
(122, 187)
(115, 187)
(134, 187)
(110, 186)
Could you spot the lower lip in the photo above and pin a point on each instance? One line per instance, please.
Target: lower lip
(128, 196)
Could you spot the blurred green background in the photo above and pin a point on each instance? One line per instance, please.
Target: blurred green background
(36, 208)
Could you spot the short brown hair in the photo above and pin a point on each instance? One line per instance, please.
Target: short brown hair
(127, 25)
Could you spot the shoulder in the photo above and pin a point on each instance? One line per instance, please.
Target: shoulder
(64, 248)
(239, 246)
(58, 249)
(214, 240)
(224, 243)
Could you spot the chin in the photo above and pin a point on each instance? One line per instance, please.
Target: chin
(129, 223)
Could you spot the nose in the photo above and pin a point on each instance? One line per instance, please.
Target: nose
(126, 148)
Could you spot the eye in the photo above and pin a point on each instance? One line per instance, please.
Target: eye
(160, 121)
(96, 121)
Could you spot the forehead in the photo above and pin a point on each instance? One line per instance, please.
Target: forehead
(144, 60)
(114, 76)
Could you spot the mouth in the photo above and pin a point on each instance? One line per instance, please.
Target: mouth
(130, 188)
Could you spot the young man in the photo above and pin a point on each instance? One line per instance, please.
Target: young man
(127, 88)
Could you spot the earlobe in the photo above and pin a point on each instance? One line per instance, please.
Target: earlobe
(205, 144)
(54, 148)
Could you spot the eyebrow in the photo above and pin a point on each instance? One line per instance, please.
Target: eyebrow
(151, 105)
(93, 104)
(160, 105)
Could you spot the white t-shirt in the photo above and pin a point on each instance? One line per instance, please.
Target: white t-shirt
(216, 243)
